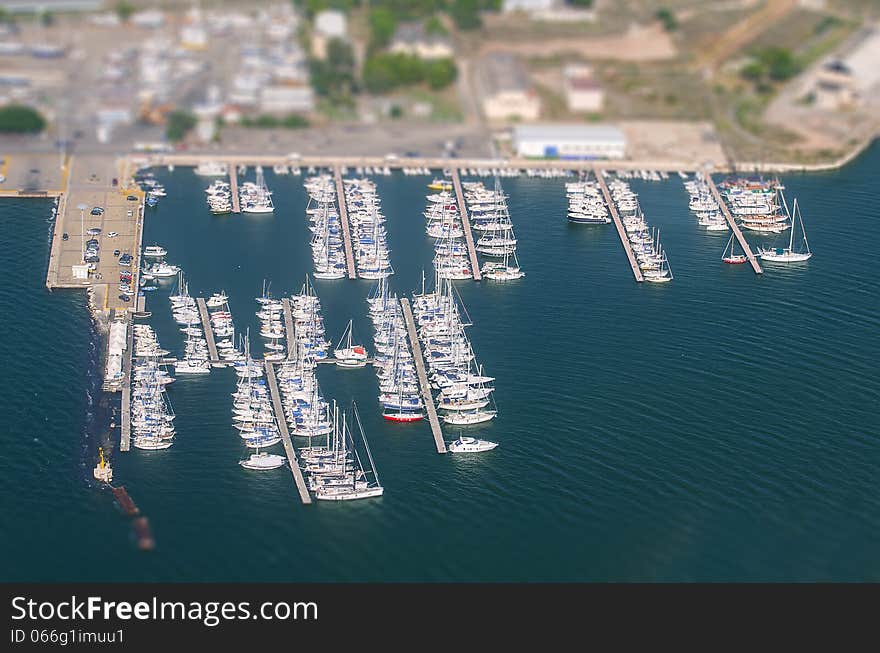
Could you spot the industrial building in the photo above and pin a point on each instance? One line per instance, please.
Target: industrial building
(571, 141)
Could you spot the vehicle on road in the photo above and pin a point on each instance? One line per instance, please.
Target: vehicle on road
(112, 234)
(97, 211)
(64, 236)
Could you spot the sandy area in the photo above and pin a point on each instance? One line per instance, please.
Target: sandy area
(661, 140)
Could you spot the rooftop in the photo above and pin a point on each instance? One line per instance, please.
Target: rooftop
(412, 33)
(500, 72)
(568, 132)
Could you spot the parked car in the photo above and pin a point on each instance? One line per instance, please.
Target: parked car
(132, 198)
(64, 236)
(94, 231)
(125, 298)
(125, 260)
(112, 234)
(115, 181)
(97, 211)
(116, 253)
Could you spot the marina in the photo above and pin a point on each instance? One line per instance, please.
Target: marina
(621, 232)
(424, 386)
(466, 226)
(208, 331)
(734, 227)
(289, 451)
(343, 219)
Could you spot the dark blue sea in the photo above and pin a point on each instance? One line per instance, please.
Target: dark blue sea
(721, 427)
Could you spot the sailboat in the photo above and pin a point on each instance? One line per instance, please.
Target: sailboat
(788, 254)
(729, 257)
(348, 354)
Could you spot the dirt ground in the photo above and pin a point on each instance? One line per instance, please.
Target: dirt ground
(658, 140)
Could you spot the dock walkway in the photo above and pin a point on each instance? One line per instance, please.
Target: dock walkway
(419, 361)
(343, 218)
(615, 216)
(289, 329)
(208, 329)
(466, 226)
(233, 188)
(125, 406)
(753, 260)
(285, 434)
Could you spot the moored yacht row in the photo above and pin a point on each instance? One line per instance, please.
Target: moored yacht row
(369, 239)
(152, 418)
(644, 241)
(489, 215)
(327, 247)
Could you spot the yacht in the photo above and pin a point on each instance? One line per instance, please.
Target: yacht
(155, 250)
(466, 444)
(262, 460)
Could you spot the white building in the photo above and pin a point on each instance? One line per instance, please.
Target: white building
(505, 90)
(411, 38)
(329, 24)
(509, 6)
(287, 99)
(569, 141)
(582, 92)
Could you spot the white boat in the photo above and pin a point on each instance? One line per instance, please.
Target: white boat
(467, 418)
(348, 354)
(465, 444)
(262, 460)
(211, 169)
(788, 254)
(155, 250)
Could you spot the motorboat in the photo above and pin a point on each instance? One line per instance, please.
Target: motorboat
(466, 444)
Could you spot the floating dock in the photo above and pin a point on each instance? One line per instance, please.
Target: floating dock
(125, 502)
(753, 260)
(125, 407)
(233, 188)
(343, 218)
(208, 329)
(419, 361)
(289, 329)
(615, 216)
(285, 434)
(466, 226)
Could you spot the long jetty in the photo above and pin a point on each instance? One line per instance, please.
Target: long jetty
(233, 187)
(343, 218)
(289, 329)
(427, 398)
(125, 406)
(208, 329)
(621, 232)
(466, 226)
(285, 434)
(753, 260)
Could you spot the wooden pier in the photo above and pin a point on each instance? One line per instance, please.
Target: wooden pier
(208, 329)
(289, 329)
(419, 361)
(466, 226)
(615, 216)
(125, 404)
(285, 434)
(233, 187)
(753, 260)
(343, 218)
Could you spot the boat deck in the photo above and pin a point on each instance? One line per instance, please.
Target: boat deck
(233, 188)
(272, 382)
(289, 330)
(125, 428)
(208, 329)
(615, 216)
(343, 218)
(734, 227)
(466, 226)
(419, 361)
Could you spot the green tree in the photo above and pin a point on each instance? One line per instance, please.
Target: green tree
(179, 124)
(584, 4)
(440, 73)
(466, 14)
(435, 27)
(382, 26)
(19, 119)
(124, 10)
(395, 112)
(781, 63)
(334, 76)
(665, 16)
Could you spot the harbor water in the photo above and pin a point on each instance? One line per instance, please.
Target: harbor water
(723, 426)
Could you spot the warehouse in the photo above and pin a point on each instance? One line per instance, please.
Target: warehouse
(573, 141)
